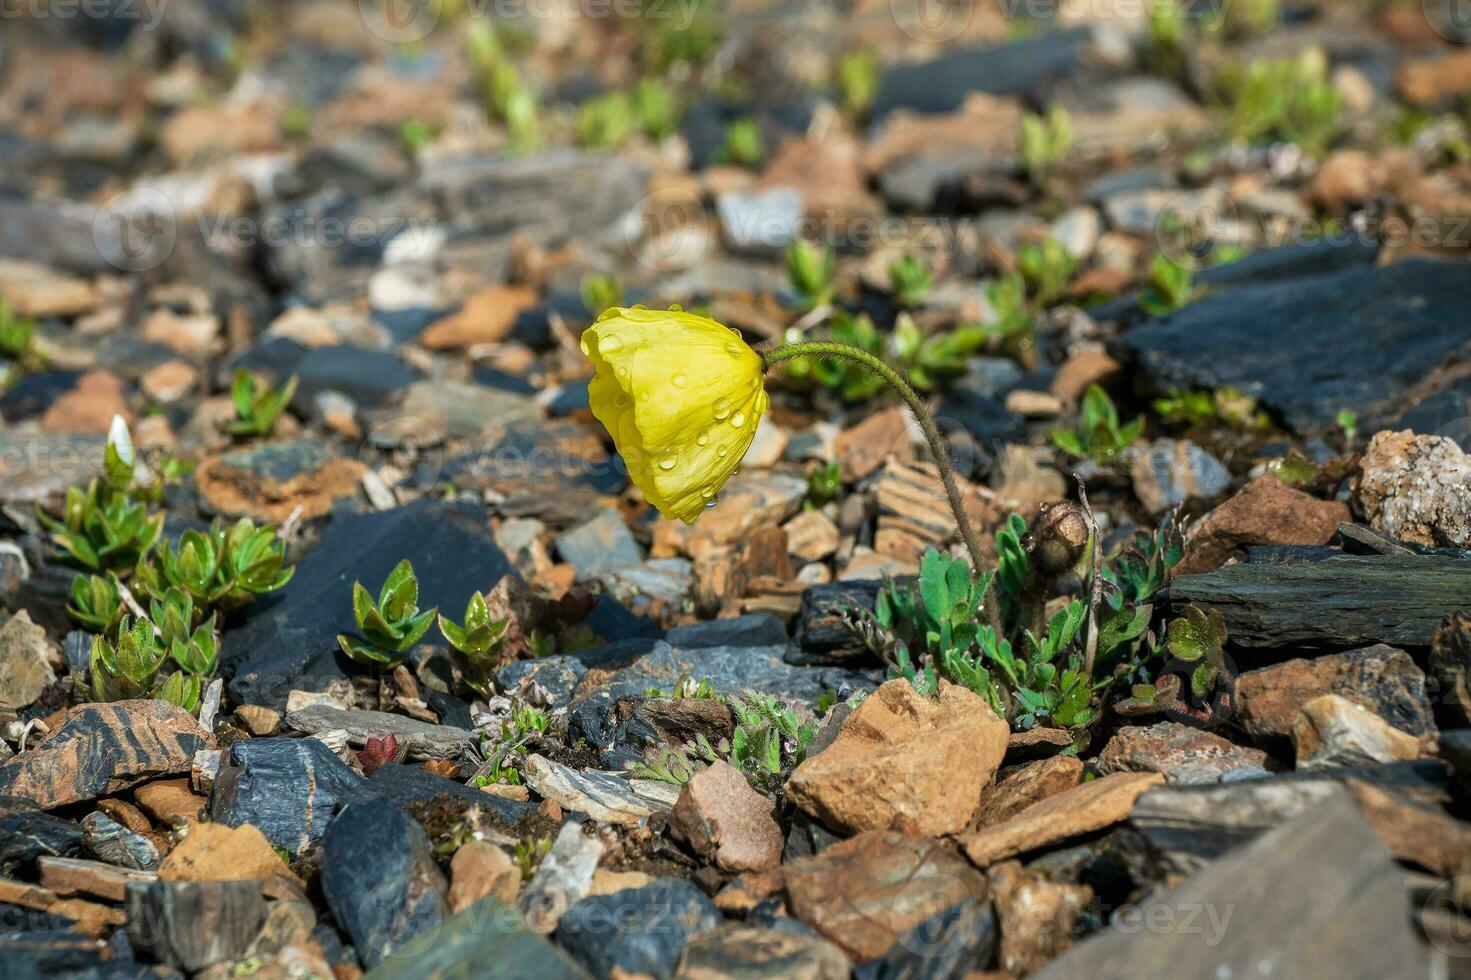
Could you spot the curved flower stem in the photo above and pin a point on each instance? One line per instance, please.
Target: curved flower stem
(910, 397)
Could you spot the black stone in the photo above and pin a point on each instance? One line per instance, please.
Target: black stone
(288, 787)
(27, 833)
(1371, 334)
(194, 924)
(290, 639)
(369, 377)
(953, 943)
(1023, 68)
(33, 393)
(820, 631)
(403, 785)
(1342, 602)
(539, 469)
(46, 953)
(380, 879)
(638, 930)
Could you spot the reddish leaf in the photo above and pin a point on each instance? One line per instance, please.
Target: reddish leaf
(377, 752)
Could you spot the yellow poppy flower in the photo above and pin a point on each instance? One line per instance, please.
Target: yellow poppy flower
(681, 395)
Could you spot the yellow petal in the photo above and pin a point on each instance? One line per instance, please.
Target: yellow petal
(681, 395)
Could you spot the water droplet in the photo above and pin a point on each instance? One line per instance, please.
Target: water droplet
(738, 419)
(675, 308)
(667, 463)
(721, 451)
(622, 400)
(722, 409)
(609, 344)
(736, 331)
(734, 350)
(707, 492)
(736, 471)
(702, 439)
(679, 380)
(623, 372)
(711, 502)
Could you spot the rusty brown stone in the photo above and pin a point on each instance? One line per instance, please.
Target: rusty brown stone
(1081, 810)
(1265, 511)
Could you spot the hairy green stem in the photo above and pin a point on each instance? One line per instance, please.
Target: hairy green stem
(910, 397)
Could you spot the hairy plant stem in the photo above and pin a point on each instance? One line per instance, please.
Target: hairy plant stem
(910, 397)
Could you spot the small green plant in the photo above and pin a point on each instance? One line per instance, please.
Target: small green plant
(504, 94)
(526, 725)
(926, 359)
(771, 738)
(1165, 39)
(127, 667)
(600, 292)
(743, 146)
(18, 340)
(257, 406)
(604, 122)
(477, 645)
(415, 134)
(1045, 142)
(1013, 329)
(824, 483)
(224, 567)
(655, 109)
(686, 687)
(810, 271)
(1283, 99)
(1225, 406)
(1199, 638)
(670, 764)
(296, 122)
(1099, 436)
(911, 280)
(529, 854)
(1347, 421)
(1046, 269)
(858, 82)
(392, 625)
(97, 604)
(1171, 287)
(105, 528)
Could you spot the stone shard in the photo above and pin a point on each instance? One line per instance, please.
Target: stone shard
(723, 819)
(637, 931)
(193, 925)
(1081, 810)
(1334, 731)
(1264, 512)
(1381, 678)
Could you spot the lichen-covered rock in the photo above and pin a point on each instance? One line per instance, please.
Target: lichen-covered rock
(1418, 488)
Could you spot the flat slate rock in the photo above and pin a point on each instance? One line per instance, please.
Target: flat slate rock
(607, 797)
(380, 879)
(290, 639)
(288, 787)
(369, 377)
(1345, 601)
(1316, 897)
(488, 940)
(1371, 333)
(102, 749)
(411, 784)
(941, 85)
(28, 834)
(194, 924)
(422, 739)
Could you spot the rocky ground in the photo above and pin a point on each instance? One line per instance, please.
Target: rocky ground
(323, 267)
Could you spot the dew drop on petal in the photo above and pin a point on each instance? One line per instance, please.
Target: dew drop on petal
(738, 419)
(707, 492)
(711, 502)
(623, 372)
(721, 451)
(667, 462)
(622, 400)
(679, 380)
(702, 439)
(609, 344)
(733, 349)
(722, 409)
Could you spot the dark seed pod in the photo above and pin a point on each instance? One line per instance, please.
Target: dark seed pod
(1058, 537)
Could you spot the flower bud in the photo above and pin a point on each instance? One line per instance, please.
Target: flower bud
(1058, 537)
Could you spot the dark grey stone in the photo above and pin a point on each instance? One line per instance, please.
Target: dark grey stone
(110, 841)
(369, 377)
(820, 631)
(194, 924)
(289, 639)
(599, 545)
(380, 879)
(488, 939)
(288, 787)
(411, 784)
(638, 930)
(27, 833)
(756, 629)
(953, 943)
(1023, 68)
(1369, 334)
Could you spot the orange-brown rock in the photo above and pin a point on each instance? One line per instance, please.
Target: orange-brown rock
(479, 868)
(1028, 784)
(724, 820)
(486, 318)
(1265, 511)
(215, 852)
(900, 753)
(1081, 810)
(1036, 916)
